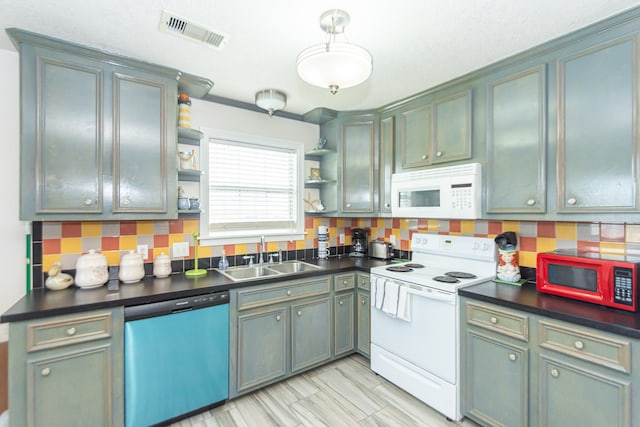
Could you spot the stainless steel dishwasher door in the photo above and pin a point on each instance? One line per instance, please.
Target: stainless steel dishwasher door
(176, 358)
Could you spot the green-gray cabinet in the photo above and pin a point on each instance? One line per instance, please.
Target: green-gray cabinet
(363, 314)
(344, 326)
(386, 161)
(310, 333)
(358, 162)
(67, 370)
(415, 136)
(519, 368)
(598, 128)
(97, 135)
(516, 135)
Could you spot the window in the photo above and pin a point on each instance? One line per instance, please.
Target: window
(254, 188)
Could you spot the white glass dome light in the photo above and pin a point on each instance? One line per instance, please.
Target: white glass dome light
(334, 65)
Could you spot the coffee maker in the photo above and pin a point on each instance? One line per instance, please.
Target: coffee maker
(359, 243)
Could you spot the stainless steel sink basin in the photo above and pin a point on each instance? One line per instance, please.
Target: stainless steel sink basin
(242, 273)
(293, 267)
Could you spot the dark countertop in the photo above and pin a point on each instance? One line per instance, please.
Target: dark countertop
(527, 298)
(44, 303)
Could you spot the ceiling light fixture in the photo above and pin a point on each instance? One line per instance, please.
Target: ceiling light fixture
(271, 100)
(334, 65)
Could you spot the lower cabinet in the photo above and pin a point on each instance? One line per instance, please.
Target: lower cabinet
(343, 323)
(522, 369)
(363, 314)
(67, 370)
(310, 333)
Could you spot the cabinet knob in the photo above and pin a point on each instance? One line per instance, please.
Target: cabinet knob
(439, 154)
(555, 373)
(288, 292)
(512, 357)
(345, 282)
(299, 313)
(45, 372)
(348, 205)
(341, 302)
(493, 320)
(125, 201)
(88, 202)
(71, 331)
(387, 205)
(424, 157)
(277, 317)
(531, 202)
(579, 345)
(364, 301)
(571, 201)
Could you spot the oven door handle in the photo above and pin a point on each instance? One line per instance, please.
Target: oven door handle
(434, 295)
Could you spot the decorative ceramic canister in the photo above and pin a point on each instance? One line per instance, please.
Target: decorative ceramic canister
(162, 266)
(91, 270)
(131, 267)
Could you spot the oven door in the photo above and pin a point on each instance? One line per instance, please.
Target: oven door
(429, 339)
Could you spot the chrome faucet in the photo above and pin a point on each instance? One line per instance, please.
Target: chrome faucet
(262, 251)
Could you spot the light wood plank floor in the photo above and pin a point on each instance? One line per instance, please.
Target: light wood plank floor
(344, 393)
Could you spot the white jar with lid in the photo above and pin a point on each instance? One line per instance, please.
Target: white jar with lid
(162, 266)
(131, 267)
(91, 270)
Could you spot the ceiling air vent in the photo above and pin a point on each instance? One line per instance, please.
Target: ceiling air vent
(176, 25)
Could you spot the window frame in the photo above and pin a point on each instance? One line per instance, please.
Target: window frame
(250, 236)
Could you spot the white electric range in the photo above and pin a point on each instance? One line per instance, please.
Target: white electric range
(415, 329)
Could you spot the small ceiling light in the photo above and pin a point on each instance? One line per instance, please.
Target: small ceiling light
(334, 64)
(271, 100)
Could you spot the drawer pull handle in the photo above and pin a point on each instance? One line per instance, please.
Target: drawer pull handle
(512, 357)
(71, 331)
(555, 373)
(277, 317)
(493, 320)
(45, 372)
(299, 313)
(288, 292)
(579, 345)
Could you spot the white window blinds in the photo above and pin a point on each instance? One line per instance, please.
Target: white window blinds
(253, 188)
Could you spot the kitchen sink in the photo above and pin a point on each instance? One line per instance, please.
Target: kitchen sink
(242, 273)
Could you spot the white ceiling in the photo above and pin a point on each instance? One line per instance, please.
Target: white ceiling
(416, 44)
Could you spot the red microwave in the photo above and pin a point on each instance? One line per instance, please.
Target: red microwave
(607, 280)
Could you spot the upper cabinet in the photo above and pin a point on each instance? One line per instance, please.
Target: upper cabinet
(385, 170)
(98, 134)
(358, 163)
(598, 128)
(516, 143)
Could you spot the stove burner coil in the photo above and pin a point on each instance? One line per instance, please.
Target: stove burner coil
(399, 268)
(446, 279)
(414, 265)
(461, 275)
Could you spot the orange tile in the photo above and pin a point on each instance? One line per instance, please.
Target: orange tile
(229, 250)
(584, 245)
(528, 244)
(494, 227)
(71, 229)
(160, 241)
(396, 222)
(51, 246)
(128, 228)
(291, 245)
(110, 243)
(454, 226)
(546, 229)
(175, 226)
(308, 222)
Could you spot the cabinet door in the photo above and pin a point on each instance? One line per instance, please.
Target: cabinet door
(387, 132)
(62, 134)
(71, 388)
(516, 145)
(141, 144)
(497, 385)
(415, 137)
(578, 396)
(452, 128)
(597, 129)
(364, 322)
(343, 323)
(357, 167)
(262, 338)
(310, 333)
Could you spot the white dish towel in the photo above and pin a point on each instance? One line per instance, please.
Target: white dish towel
(390, 300)
(378, 293)
(404, 304)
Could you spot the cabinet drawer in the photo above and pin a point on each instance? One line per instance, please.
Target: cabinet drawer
(251, 298)
(344, 281)
(501, 321)
(364, 281)
(68, 330)
(592, 346)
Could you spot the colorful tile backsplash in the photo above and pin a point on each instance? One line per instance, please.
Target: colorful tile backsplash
(66, 241)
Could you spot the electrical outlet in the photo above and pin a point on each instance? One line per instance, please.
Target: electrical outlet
(180, 249)
(392, 239)
(143, 250)
(342, 238)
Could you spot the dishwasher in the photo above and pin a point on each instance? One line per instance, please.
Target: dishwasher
(176, 358)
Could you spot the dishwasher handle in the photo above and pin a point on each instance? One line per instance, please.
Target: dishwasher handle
(174, 306)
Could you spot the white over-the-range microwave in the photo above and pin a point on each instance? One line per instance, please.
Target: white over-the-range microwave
(447, 192)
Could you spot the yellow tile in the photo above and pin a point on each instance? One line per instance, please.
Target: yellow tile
(273, 246)
(511, 226)
(545, 244)
(91, 229)
(113, 257)
(432, 225)
(71, 245)
(467, 227)
(128, 243)
(616, 248)
(300, 244)
(144, 227)
(204, 251)
(528, 259)
(190, 225)
(48, 260)
(566, 230)
(632, 233)
(175, 238)
(240, 249)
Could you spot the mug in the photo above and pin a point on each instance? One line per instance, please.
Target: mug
(323, 253)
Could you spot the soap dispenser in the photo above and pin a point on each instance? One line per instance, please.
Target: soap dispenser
(223, 264)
